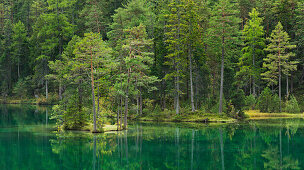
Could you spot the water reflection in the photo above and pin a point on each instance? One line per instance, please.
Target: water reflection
(27, 142)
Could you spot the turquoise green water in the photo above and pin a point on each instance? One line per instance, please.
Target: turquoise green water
(27, 142)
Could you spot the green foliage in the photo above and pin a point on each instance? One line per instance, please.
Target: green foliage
(278, 59)
(250, 102)
(253, 51)
(274, 106)
(69, 117)
(167, 52)
(265, 100)
(292, 105)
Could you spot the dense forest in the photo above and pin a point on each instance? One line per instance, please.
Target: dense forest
(97, 58)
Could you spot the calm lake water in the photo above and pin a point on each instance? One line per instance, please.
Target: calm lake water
(27, 142)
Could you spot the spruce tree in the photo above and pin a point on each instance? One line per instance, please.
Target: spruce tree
(176, 39)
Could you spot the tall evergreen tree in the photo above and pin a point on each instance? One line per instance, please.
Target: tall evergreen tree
(19, 46)
(90, 52)
(224, 30)
(278, 60)
(251, 59)
(176, 39)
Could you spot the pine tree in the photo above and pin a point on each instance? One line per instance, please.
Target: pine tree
(278, 59)
(137, 62)
(223, 31)
(253, 34)
(90, 52)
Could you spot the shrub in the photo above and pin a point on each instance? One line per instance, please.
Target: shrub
(215, 108)
(250, 102)
(292, 105)
(265, 100)
(274, 105)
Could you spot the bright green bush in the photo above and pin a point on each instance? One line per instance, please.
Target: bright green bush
(292, 105)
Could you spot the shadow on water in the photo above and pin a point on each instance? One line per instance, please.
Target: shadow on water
(27, 143)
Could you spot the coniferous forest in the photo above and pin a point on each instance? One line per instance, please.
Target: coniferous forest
(133, 58)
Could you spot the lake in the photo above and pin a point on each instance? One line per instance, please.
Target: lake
(27, 141)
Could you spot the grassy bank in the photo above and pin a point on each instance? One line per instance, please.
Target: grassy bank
(34, 101)
(256, 114)
(186, 117)
(18, 101)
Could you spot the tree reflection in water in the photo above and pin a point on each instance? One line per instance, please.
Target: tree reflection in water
(27, 143)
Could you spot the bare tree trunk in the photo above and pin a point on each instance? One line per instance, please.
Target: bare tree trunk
(126, 100)
(177, 92)
(140, 103)
(137, 99)
(93, 93)
(253, 77)
(222, 77)
(191, 81)
(196, 90)
(280, 95)
(121, 113)
(60, 91)
(98, 99)
(118, 104)
(287, 86)
(46, 89)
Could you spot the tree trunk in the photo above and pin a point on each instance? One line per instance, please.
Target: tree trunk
(287, 86)
(222, 77)
(79, 96)
(121, 112)
(140, 103)
(253, 77)
(98, 99)
(196, 89)
(177, 92)
(93, 93)
(60, 91)
(118, 115)
(127, 100)
(280, 95)
(46, 89)
(191, 81)
(137, 98)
